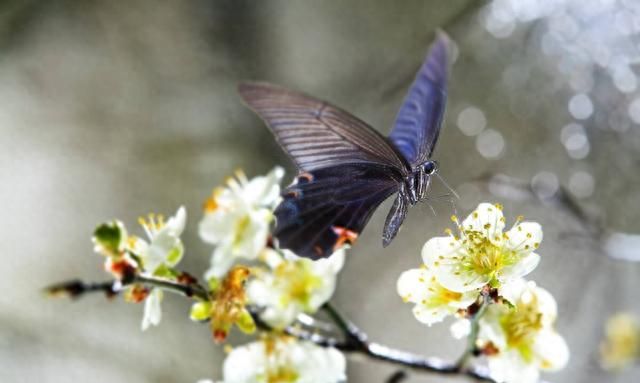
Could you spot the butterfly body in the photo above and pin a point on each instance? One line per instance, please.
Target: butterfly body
(346, 168)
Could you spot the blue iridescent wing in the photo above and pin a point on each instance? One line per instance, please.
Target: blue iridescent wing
(418, 123)
(327, 208)
(316, 134)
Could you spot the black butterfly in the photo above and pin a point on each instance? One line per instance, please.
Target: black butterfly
(347, 168)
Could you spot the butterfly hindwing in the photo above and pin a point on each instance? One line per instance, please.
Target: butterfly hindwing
(329, 207)
(417, 125)
(316, 134)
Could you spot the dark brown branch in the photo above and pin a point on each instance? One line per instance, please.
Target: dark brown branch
(354, 340)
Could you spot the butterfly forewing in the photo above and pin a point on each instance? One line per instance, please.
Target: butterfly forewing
(317, 134)
(417, 125)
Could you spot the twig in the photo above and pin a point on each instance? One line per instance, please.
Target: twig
(471, 349)
(355, 340)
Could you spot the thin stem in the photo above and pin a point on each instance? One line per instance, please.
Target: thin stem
(76, 288)
(471, 349)
(192, 290)
(356, 342)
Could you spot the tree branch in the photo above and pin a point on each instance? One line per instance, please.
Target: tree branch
(355, 340)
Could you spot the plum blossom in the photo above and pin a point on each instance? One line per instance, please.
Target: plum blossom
(520, 341)
(293, 285)
(165, 248)
(237, 219)
(284, 360)
(481, 253)
(433, 302)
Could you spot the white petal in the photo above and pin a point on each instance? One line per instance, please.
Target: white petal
(265, 190)
(221, 261)
(245, 363)
(524, 266)
(524, 237)
(430, 316)
(490, 329)
(152, 309)
(487, 219)
(552, 350)
(177, 223)
(460, 328)
(216, 226)
(439, 253)
(513, 289)
(163, 244)
(412, 286)
(253, 239)
(336, 260)
(546, 305)
(509, 367)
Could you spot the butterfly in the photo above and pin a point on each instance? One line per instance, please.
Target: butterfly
(346, 168)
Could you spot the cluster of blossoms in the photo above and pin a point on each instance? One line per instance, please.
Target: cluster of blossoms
(128, 256)
(476, 274)
(278, 284)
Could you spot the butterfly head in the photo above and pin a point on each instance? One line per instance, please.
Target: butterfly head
(417, 184)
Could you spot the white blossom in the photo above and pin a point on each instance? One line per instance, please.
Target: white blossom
(481, 253)
(293, 285)
(165, 247)
(520, 341)
(433, 302)
(284, 360)
(237, 219)
(158, 256)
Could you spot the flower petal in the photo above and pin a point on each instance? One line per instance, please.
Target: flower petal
(487, 219)
(524, 237)
(221, 261)
(264, 191)
(552, 350)
(216, 226)
(460, 328)
(411, 285)
(152, 309)
(523, 267)
(429, 316)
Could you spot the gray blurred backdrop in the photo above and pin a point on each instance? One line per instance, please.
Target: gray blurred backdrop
(115, 109)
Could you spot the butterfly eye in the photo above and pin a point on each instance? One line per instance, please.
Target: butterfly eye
(430, 167)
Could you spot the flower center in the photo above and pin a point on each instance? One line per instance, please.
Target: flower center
(242, 225)
(441, 296)
(521, 325)
(297, 281)
(484, 257)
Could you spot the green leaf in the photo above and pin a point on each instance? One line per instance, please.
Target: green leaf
(110, 237)
(200, 311)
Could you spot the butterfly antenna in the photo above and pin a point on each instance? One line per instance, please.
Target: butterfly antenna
(447, 186)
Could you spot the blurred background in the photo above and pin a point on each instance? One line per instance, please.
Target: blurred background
(115, 109)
